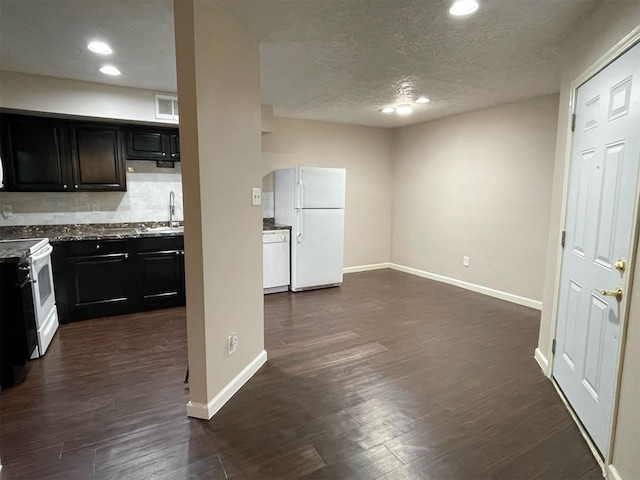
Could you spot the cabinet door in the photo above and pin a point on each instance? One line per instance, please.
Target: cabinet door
(100, 285)
(146, 145)
(34, 154)
(161, 271)
(161, 279)
(97, 163)
(174, 145)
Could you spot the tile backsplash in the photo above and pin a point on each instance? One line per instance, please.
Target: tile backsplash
(146, 200)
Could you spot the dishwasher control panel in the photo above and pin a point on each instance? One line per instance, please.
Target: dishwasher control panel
(275, 236)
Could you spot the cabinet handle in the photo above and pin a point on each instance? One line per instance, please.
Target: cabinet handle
(75, 186)
(65, 186)
(98, 247)
(126, 255)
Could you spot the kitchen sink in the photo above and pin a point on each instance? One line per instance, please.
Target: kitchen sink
(152, 230)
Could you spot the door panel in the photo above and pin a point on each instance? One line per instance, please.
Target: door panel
(599, 225)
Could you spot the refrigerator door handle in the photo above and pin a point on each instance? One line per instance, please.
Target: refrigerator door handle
(300, 187)
(299, 226)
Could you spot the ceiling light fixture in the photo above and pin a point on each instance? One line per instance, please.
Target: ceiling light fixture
(463, 7)
(100, 47)
(388, 110)
(423, 100)
(404, 109)
(110, 70)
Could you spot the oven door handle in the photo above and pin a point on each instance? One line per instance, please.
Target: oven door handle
(25, 281)
(42, 253)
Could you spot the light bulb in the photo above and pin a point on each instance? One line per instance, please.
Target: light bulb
(100, 47)
(110, 70)
(463, 7)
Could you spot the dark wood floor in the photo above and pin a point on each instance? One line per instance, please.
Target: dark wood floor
(390, 376)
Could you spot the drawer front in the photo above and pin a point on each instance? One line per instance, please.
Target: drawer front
(159, 244)
(97, 247)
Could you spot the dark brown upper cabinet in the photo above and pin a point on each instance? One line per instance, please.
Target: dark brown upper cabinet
(35, 154)
(51, 155)
(148, 143)
(95, 154)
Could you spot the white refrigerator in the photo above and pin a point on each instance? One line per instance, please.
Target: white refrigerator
(311, 200)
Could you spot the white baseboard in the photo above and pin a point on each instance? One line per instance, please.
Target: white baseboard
(612, 473)
(542, 361)
(509, 297)
(206, 411)
(366, 268)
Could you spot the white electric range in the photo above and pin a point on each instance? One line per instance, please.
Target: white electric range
(35, 277)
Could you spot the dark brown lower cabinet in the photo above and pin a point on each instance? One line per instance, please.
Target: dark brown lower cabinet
(161, 272)
(97, 278)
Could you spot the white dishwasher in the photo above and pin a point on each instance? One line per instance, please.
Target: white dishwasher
(276, 261)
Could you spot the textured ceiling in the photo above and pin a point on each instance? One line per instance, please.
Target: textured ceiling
(325, 60)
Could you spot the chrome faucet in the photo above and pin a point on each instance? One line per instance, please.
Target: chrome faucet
(173, 222)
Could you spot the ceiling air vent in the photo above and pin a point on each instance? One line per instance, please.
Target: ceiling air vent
(167, 107)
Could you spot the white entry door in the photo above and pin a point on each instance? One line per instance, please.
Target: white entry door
(599, 226)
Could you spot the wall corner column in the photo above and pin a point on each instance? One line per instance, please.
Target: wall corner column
(218, 73)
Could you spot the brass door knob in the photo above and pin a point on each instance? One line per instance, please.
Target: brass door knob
(621, 264)
(611, 293)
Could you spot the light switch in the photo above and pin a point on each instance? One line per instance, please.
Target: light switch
(256, 197)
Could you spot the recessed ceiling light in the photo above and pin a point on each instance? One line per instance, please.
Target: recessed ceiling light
(463, 7)
(404, 109)
(99, 47)
(423, 100)
(110, 70)
(388, 110)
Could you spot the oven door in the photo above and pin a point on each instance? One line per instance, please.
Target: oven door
(30, 326)
(44, 299)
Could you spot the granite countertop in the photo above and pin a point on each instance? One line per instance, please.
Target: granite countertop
(270, 224)
(89, 231)
(12, 255)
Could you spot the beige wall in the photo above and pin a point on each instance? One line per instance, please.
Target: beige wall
(21, 91)
(601, 32)
(477, 185)
(366, 153)
(219, 89)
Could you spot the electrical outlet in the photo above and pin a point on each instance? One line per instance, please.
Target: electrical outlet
(465, 261)
(7, 211)
(256, 196)
(233, 342)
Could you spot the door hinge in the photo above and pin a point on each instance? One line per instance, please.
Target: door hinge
(564, 238)
(573, 122)
(553, 347)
